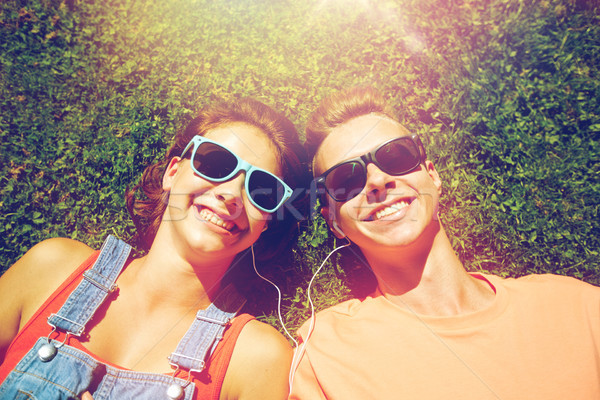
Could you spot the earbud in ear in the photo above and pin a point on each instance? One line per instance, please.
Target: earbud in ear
(336, 228)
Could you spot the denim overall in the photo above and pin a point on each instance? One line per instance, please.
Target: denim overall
(54, 370)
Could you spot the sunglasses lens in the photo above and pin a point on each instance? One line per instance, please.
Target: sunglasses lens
(266, 191)
(398, 157)
(345, 181)
(214, 161)
(217, 163)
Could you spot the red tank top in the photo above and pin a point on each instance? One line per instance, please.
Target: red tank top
(208, 383)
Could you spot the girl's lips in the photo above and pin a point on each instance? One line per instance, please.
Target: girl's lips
(210, 217)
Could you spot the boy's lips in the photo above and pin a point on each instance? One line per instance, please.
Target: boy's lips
(390, 209)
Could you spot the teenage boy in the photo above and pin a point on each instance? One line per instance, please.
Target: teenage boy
(431, 330)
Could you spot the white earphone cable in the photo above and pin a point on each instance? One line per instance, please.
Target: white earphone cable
(278, 296)
(300, 349)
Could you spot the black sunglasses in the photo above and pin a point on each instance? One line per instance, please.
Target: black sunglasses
(216, 163)
(347, 179)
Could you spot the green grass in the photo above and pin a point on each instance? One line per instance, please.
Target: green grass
(504, 92)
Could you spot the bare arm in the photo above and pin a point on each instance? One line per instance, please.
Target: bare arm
(259, 365)
(31, 280)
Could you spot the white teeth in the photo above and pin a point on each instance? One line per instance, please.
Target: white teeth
(213, 218)
(391, 209)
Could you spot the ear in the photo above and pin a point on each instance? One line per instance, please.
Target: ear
(170, 173)
(326, 213)
(432, 172)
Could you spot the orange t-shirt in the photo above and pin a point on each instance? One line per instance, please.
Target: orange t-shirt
(540, 339)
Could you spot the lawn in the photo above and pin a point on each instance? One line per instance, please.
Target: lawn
(504, 93)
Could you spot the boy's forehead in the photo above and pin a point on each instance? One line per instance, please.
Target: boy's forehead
(355, 138)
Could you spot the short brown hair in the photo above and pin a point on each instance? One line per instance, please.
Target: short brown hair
(147, 201)
(340, 108)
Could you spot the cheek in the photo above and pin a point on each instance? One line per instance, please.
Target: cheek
(347, 213)
(256, 216)
(177, 201)
(428, 203)
(430, 193)
(257, 226)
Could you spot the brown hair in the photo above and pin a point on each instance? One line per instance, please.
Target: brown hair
(340, 108)
(147, 201)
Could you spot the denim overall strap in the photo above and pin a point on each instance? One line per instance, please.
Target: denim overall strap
(95, 287)
(207, 330)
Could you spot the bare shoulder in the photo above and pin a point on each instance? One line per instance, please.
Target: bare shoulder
(260, 336)
(259, 365)
(57, 256)
(26, 284)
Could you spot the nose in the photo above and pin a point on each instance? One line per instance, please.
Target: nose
(231, 192)
(378, 184)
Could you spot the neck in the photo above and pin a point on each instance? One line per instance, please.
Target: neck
(429, 279)
(167, 278)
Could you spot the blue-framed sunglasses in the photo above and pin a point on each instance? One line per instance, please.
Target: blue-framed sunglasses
(216, 163)
(399, 156)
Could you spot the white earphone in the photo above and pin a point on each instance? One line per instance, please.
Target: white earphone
(336, 228)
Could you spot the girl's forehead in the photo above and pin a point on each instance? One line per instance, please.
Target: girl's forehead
(234, 131)
(248, 142)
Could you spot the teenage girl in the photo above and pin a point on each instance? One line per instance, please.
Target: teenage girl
(75, 320)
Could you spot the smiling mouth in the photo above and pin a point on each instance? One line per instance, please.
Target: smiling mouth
(389, 210)
(210, 217)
